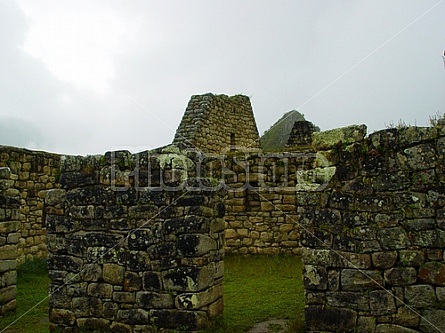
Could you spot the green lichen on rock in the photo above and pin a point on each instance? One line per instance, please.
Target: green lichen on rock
(345, 135)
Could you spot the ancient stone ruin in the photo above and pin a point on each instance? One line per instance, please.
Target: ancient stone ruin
(135, 242)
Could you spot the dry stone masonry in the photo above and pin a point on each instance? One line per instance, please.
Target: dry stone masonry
(9, 237)
(135, 244)
(215, 123)
(261, 202)
(374, 237)
(32, 173)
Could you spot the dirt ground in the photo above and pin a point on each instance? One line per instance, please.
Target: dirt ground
(270, 326)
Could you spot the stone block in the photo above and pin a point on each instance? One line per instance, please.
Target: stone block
(406, 316)
(9, 227)
(55, 197)
(433, 272)
(381, 302)
(393, 238)
(196, 301)
(133, 316)
(188, 279)
(8, 252)
(400, 276)
(346, 135)
(315, 277)
(91, 272)
(64, 263)
(124, 297)
(411, 257)
(113, 274)
(193, 320)
(100, 290)
(154, 300)
(384, 260)
(195, 245)
(93, 324)
(433, 321)
(391, 328)
(358, 301)
(356, 280)
(7, 294)
(420, 296)
(62, 317)
(320, 318)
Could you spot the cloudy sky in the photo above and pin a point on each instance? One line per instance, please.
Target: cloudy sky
(85, 77)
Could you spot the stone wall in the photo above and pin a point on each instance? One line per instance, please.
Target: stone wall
(135, 244)
(301, 135)
(374, 237)
(9, 236)
(261, 199)
(215, 123)
(32, 173)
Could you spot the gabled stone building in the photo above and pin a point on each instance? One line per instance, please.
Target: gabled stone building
(215, 123)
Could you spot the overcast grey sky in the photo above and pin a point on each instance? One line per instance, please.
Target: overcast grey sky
(85, 77)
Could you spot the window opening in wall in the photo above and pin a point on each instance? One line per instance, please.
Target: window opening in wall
(232, 141)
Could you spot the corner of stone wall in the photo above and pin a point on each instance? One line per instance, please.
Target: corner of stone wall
(373, 239)
(135, 243)
(9, 236)
(32, 173)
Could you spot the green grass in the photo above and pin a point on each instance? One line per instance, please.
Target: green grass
(259, 288)
(256, 288)
(32, 303)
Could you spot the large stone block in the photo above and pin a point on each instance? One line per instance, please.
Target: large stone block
(345, 135)
(195, 245)
(154, 300)
(355, 280)
(189, 279)
(320, 318)
(420, 296)
(433, 321)
(400, 276)
(433, 272)
(393, 238)
(381, 302)
(191, 320)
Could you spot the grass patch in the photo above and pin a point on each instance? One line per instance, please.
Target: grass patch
(258, 288)
(32, 303)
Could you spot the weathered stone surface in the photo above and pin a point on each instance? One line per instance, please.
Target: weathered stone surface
(113, 273)
(193, 301)
(391, 328)
(400, 276)
(195, 245)
(432, 321)
(344, 135)
(62, 317)
(329, 319)
(382, 303)
(384, 260)
(420, 296)
(315, 277)
(154, 300)
(355, 280)
(408, 317)
(193, 320)
(411, 257)
(393, 238)
(433, 272)
(358, 301)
